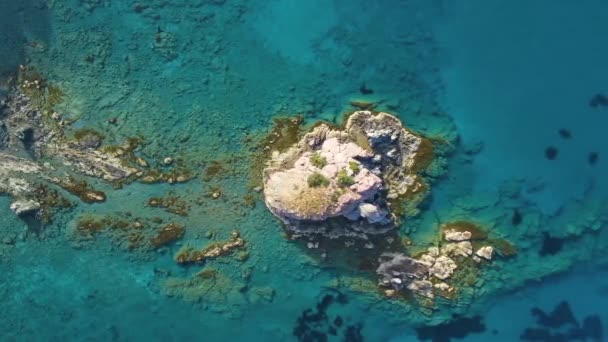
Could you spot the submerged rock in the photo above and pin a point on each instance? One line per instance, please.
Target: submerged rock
(333, 174)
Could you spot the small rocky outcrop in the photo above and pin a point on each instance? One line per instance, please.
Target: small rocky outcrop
(339, 182)
(427, 273)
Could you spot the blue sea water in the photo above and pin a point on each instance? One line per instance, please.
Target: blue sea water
(505, 76)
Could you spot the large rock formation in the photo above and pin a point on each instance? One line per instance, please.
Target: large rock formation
(338, 182)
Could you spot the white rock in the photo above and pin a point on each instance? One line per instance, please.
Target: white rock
(372, 213)
(443, 267)
(461, 248)
(396, 281)
(485, 252)
(21, 207)
(454, 235)
(434, 251)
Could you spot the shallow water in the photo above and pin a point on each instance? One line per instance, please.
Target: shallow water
(503, 75)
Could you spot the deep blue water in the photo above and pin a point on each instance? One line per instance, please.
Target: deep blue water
(504, 75)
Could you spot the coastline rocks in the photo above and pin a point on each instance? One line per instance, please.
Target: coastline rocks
(330, 182)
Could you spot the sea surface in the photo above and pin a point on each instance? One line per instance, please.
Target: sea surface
(202, 80)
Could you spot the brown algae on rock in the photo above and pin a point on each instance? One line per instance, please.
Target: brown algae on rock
(170, 203)
(167, 235)
(188, 255)
(83, 190)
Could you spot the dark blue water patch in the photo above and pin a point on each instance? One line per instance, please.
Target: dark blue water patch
(565, 133)
(318, 325)
(551, 153)
(457, 328)
(598, 101)
(517, 218)
(365, 90)
(561, 325)
(592, 158)
(551, 245)
(560, 316)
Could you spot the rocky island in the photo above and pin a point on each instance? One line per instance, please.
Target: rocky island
(347, 182)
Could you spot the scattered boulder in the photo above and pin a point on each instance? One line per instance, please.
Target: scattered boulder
(485, 252)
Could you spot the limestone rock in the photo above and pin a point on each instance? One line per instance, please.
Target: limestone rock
(372, 213)
(443, 267)
(485, 252)
(462, 248)
(454, 235)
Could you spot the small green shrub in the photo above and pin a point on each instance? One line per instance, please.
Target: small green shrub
(354, 166)
(344, 180)
(317, 180)
(318, 161)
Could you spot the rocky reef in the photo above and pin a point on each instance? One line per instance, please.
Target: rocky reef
(346, 182)
(39, 148)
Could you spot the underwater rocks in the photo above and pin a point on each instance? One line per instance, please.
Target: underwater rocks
(319, 323)
(457, 328)
(339, 182)
(190, 255)
(561, 325)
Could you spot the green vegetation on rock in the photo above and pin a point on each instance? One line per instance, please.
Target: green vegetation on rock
(344, 180)
(317, 160)
(354, 166)
(316, 180)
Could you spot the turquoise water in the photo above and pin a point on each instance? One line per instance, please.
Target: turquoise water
(199, 80)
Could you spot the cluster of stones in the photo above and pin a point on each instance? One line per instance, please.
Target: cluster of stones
(429, 272)
(343, 174)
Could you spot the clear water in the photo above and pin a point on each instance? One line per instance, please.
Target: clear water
(505, 74)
